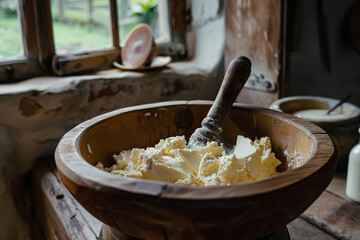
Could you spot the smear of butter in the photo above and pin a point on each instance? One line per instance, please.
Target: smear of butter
(244, 147)
(192, 158)
(171, 161)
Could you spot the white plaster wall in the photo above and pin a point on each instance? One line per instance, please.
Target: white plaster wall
(36, 113)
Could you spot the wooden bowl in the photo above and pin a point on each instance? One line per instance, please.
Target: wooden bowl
(343, 130)
(158, 210)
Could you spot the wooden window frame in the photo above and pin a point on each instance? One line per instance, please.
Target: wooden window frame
(28, 65)
(40, 57)
(180, 19)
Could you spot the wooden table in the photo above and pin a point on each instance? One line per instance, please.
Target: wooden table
(331, 216)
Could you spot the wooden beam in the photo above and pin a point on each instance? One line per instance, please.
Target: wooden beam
(44, 31)
(258, 31)
(114, 24)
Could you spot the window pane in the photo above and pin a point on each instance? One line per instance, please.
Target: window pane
(10, 31)
(81, 25)
(151, 12)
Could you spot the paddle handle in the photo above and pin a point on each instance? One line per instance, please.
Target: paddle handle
(234, 80)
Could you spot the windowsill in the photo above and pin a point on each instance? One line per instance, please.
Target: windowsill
(49, 106)
(54, 84)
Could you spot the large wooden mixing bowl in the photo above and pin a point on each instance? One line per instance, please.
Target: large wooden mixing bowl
(158, 210)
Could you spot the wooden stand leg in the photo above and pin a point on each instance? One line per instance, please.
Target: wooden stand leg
(109, 233)
(281, 234)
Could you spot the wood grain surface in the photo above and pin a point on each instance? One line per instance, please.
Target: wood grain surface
(335, 212)
(257, 29)
(299, 229)
(156, 210)
(60, 215)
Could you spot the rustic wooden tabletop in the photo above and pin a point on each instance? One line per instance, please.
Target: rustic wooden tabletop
(331, 216)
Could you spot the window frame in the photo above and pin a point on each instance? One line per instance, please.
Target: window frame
(40, 57)
(28, 65)
(180, 19)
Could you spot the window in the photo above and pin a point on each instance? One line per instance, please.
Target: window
(81, 25)
(11, 42)
(152, 12)
(65, 37)
(20, 60)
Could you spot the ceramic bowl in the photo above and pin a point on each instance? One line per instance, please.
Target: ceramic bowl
(342, 128)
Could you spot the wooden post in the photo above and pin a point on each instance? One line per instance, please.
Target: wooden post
(60, 6)
(258, 31)
(90, 10)
(124, 7)
(114, 24)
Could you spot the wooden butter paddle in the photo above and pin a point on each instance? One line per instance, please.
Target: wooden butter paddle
(212, 125)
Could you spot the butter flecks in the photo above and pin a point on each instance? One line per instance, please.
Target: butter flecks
(171, 161)
(154, 163)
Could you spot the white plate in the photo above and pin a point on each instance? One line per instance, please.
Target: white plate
(157, 62)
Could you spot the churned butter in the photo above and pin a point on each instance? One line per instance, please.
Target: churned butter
(171, 161)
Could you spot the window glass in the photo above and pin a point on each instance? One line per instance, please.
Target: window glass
(10, 31)
(81, 25)
(151, 12)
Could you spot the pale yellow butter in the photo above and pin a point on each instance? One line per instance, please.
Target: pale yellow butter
(171, 161)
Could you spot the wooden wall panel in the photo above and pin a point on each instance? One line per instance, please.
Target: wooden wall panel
(256, 29)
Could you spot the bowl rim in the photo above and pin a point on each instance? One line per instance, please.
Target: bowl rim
(74, 167)
(354, 116)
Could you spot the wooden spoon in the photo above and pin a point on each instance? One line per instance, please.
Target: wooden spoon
(212, 125)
